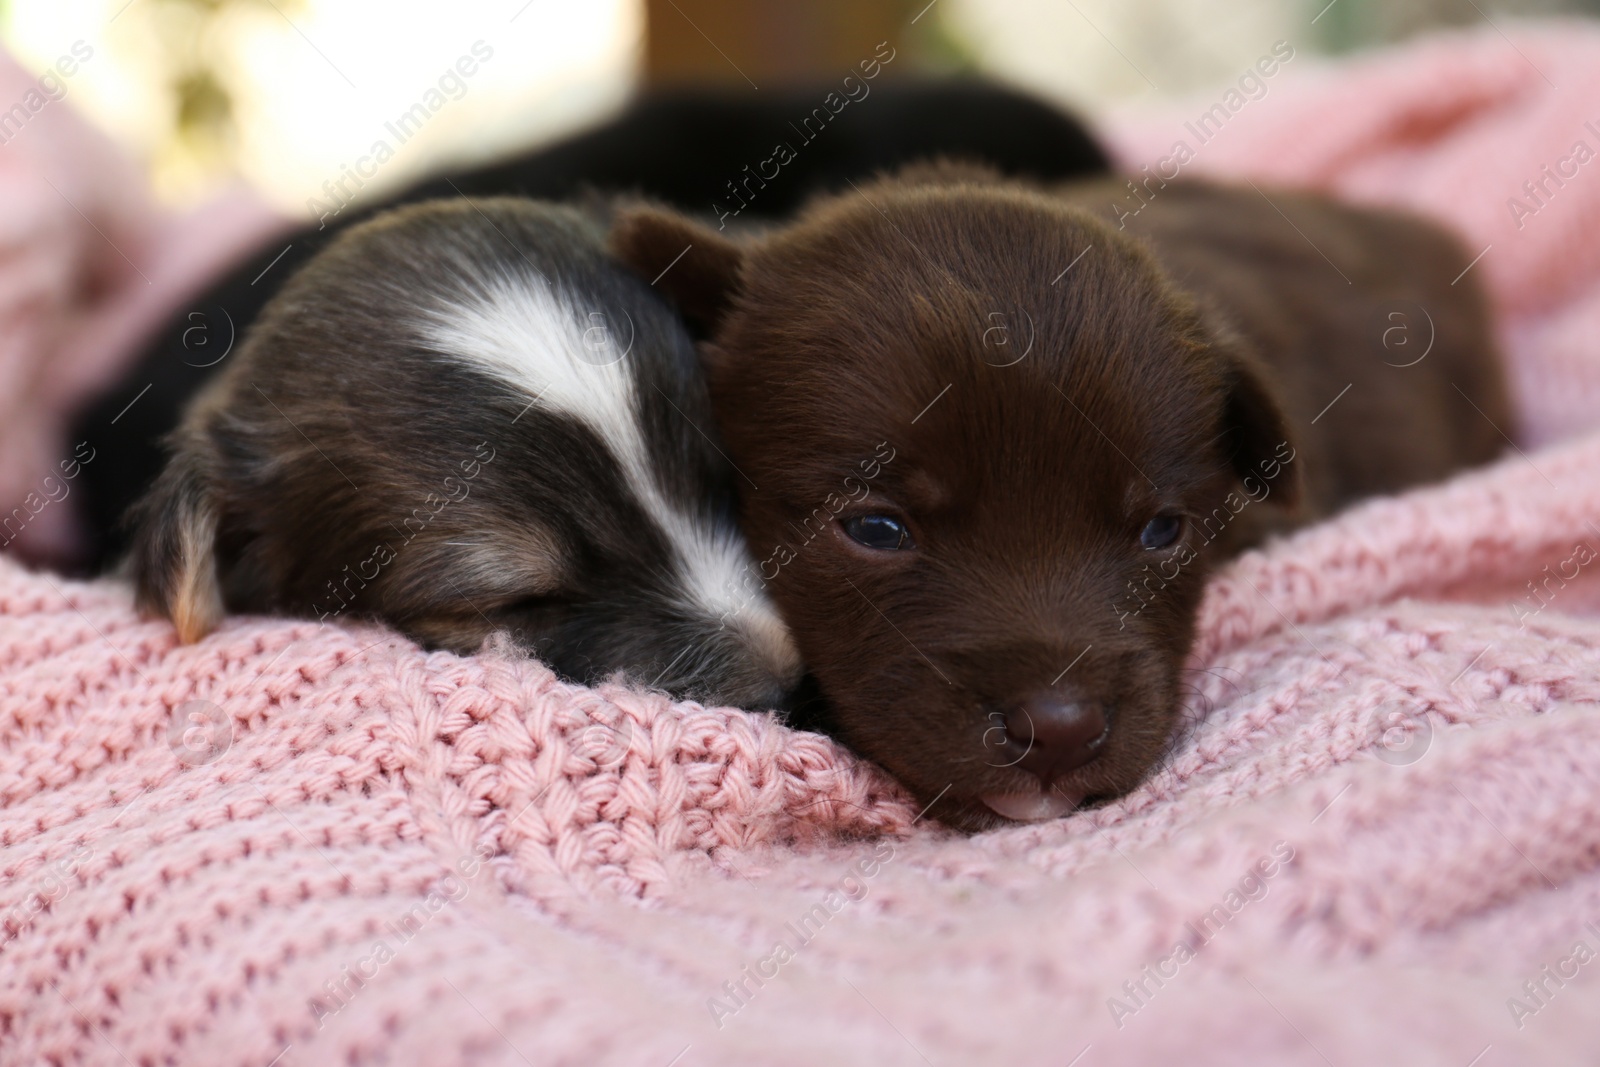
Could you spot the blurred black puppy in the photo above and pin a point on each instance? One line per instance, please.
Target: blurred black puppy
(465, 419)
(704, 151)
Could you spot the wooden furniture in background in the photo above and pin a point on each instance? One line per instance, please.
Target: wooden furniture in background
(757, 42)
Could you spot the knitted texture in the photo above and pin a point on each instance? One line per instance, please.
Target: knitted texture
(1376, 841)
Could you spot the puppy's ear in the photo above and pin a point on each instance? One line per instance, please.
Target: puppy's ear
(173, 561)
(1256, 437)
(694, 265)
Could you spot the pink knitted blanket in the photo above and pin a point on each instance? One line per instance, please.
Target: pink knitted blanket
(1378, 843)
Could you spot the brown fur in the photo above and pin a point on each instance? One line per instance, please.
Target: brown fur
(1039, 416)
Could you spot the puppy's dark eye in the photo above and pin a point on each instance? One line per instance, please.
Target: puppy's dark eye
(878, 531)
(1161, 531)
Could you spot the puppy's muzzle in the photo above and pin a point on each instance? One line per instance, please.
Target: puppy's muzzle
(1049, 738)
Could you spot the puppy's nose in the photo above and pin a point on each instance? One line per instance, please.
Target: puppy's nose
(1059, 735)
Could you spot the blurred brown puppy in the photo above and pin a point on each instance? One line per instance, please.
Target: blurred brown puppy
(1074, 420)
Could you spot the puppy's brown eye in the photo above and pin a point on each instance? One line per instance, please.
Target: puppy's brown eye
(1161, 531)
(878, 531)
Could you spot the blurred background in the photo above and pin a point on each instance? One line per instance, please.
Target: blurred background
(290, 94)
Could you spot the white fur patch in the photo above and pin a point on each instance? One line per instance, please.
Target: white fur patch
(538, 340)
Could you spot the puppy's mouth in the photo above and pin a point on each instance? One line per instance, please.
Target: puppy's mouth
(1036, 806)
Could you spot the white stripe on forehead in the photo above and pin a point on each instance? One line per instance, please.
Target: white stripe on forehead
(572, 361)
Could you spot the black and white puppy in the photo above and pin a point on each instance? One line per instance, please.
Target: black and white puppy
(463, 418)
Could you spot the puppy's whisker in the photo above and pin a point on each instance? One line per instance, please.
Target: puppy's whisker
(1215, 673)
(675, 660)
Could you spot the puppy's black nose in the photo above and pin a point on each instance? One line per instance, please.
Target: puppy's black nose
(1059, 736)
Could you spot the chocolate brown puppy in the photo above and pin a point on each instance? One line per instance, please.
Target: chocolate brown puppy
(1069, 414)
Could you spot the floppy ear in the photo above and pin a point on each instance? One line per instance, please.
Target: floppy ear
(173, 560)
(694, 265)
(1256, 432)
